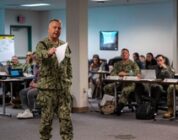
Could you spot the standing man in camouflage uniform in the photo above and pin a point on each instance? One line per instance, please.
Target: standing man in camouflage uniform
(54, 84)
(125, 67)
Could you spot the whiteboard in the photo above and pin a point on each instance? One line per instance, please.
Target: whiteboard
(7, 48)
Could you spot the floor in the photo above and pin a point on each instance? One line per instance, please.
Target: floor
(92, 126)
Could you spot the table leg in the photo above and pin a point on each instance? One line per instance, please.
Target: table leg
(174, 102)
(115, 95)
(11, 90)
(3, 101)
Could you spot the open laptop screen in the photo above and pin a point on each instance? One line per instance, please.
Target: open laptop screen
(16, 73)
(148, 74)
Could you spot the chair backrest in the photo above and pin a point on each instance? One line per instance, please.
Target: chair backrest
(112, 61)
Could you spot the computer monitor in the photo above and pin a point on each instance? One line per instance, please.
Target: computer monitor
(16, 73)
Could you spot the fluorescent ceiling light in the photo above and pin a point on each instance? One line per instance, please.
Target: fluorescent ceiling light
(35, 4)
(100, 0)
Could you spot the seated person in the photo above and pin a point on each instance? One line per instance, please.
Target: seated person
(162, 71)
(170, 101)
(143, 61)
(14, 64)
(136, 59)
(122, 68)
(94, 81)
(150, 62)
(28, 66)
(1, 65)
(28, 96)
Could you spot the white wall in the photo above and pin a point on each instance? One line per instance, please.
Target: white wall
(142, 28)
(31, 19)
(2, 23)
(46, 16)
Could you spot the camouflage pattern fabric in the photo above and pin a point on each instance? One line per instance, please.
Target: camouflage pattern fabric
(126, 88)
(54, 90)
(17, 66)
(55, 102)
(52, 74)
(170, 94)
(125, 91)
(27, 68)
(126, 67)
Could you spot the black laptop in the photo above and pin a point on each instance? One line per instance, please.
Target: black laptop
(16, 73)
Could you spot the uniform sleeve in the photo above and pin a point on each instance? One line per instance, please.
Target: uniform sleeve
(136, 69)
(115, 70)
(168, 73)
(41, 52)
(69, 65)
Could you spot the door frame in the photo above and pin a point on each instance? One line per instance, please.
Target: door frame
(29, 33)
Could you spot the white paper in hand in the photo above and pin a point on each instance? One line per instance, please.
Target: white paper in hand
(60, 52)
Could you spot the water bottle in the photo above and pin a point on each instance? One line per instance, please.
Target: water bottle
(102, 68)
(131, 73)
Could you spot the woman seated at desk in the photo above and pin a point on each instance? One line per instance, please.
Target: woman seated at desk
(94, 79)
(28, 66)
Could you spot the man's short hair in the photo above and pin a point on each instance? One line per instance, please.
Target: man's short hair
(160, 55)
(124, 49)
(56, 20)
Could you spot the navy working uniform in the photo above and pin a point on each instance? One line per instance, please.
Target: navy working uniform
(54, 90)
(126, 88)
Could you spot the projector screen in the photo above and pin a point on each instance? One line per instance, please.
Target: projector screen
(108, 40)
(7, 48)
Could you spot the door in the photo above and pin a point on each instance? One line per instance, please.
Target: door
(22, 40)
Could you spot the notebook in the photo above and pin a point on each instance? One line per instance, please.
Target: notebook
(148, 74)
(16, 73)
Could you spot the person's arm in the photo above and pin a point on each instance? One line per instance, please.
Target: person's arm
(167, 72)
(136, 69)
(42, 51)
(69, 65)
(115, 70)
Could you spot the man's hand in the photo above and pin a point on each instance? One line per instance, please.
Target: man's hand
(51, 51)
(163, 66)
(33, 84)
(122, 73)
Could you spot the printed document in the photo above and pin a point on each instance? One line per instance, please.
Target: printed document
(60, 52)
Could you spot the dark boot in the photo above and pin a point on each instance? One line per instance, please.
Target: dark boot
(120, 106)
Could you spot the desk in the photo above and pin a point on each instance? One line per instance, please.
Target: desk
(102, 76)
(157, 81)
(11, 81)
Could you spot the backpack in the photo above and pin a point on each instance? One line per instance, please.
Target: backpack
(108, 108)
(145, 111)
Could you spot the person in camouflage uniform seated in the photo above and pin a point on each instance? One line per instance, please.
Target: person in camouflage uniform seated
(157, 90)
(125, 67)
(170, 112)
(15, 64)
(54, 84)
(17, 86)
